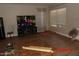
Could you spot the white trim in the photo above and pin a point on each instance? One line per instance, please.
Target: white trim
(13, 35)
(76, 38)
(63, 34)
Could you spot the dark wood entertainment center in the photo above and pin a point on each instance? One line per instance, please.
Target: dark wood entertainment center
(26, 25)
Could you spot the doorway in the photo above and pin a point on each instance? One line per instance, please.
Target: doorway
(2, 32)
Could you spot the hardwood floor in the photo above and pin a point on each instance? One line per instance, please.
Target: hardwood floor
(45, 39)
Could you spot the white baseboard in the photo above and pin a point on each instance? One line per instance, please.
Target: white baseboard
(63, 34)
(76, 38)
(13, 35)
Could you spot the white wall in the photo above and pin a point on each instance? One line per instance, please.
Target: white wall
(10, 11)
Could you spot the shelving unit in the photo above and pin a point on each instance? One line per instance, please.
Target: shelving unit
(26, 25)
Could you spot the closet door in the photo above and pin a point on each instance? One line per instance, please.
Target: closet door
(41, 21)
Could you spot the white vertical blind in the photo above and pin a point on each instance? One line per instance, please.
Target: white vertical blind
(61, 15)
(58, 17)
(53, 20)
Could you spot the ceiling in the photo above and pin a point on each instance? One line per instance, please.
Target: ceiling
(44, 4)
(32, 4)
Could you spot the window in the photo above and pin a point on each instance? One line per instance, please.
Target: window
(58, 17)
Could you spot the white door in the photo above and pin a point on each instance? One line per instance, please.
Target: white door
(41, 21)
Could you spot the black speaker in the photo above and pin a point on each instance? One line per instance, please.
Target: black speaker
(2, 33)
